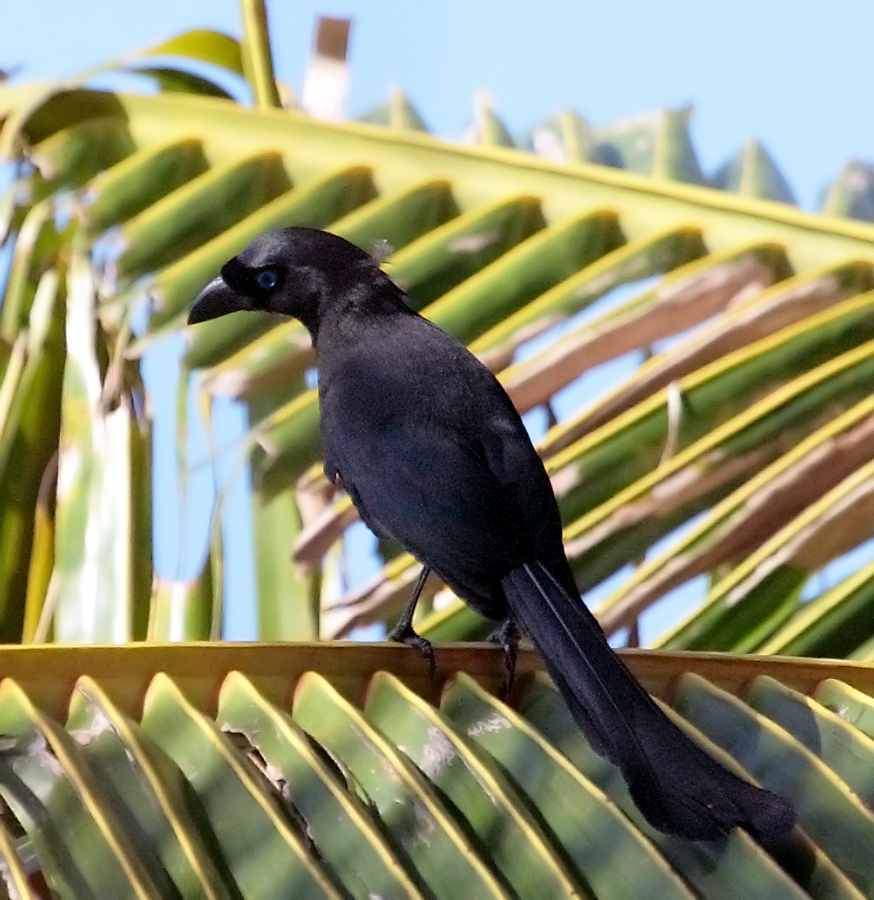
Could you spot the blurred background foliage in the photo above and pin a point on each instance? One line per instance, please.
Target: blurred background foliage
(690, 351)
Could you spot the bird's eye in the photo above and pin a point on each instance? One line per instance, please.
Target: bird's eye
(266, 279)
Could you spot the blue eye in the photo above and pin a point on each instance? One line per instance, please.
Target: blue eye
(266, 279)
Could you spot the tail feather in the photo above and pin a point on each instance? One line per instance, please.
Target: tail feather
(678, 787)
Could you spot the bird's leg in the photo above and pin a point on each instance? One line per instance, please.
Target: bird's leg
(508, 636)
(404, 633)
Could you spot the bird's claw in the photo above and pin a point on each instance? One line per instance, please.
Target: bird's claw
(508, 636)
(404, 633)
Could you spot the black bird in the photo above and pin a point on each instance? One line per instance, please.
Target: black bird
(433, 453)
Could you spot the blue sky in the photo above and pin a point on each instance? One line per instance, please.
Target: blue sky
(793, 75)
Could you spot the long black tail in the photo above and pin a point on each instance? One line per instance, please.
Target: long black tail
(678, 787)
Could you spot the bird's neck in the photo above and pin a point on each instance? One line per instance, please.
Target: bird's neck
(357, 316)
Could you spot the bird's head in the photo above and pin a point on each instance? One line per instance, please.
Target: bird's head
(291, 272)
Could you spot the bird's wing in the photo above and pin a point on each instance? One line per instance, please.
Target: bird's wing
(439, 498)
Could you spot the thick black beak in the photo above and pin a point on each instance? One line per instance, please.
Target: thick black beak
(216, 299)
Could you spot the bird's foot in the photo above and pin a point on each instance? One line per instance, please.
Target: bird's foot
(404, 633)
(508, 637)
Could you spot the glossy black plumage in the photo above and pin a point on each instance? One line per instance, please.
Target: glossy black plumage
(432, 452)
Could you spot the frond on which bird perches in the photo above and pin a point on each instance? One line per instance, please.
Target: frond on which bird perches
(118, 767)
